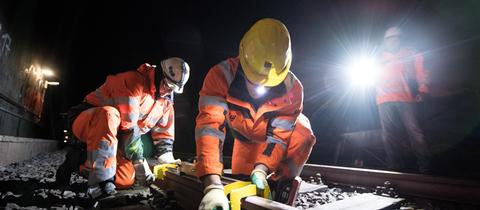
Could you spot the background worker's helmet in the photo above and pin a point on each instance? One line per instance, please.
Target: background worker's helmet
(393, 31)
(176, 72)
(265, 52)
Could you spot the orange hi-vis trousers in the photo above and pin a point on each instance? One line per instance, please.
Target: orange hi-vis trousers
(299, 147)
(97, 127)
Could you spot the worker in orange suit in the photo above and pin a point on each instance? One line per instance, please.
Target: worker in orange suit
(260, 100)
(403, 82)
(115, 115)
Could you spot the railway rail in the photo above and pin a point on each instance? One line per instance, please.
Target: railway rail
(188, 189)
(417, 185)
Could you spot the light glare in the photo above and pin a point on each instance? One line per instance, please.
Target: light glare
(363, 72)
(260, 90)
(47, 72)
(53, 83)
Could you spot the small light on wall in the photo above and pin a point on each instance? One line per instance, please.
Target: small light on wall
(47, 72)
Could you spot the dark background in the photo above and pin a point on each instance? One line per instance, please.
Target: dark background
(84, 41)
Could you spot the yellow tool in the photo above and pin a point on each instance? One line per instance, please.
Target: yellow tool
(159, 170)
(242, 189)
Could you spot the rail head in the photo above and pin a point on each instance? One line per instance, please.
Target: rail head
(432, 187)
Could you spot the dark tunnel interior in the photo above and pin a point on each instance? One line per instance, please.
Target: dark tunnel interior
(84, 41)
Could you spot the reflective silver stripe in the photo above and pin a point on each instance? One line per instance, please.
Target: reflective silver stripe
(212, 101)
(274, 140)
(283, 124)
(98, 175)
(156, 129)
(209, 131)
(104, 150)
(131, 117)
(141, 115)
(163, 120)
(152, 120)
(144, 130)
(226, 71)
(98, 157)
(100, 97)
(164, 141)
(132, 101)
(170, 129)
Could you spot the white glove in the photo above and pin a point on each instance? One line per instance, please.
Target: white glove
(143, 174)
(214, 197)
(259, 178)
(167, 158)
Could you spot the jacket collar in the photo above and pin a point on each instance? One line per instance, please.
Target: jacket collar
(152, 81)
(238, 90)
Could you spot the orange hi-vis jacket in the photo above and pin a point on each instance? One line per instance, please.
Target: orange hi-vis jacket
(261, 127)
(132, 93)
(397, 74)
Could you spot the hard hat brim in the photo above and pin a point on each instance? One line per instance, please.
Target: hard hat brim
(273, 78)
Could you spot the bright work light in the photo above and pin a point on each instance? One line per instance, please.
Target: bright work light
(48, 72)
(362, 72)
(260, 90)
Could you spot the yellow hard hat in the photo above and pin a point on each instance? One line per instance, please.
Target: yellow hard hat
(265, 52)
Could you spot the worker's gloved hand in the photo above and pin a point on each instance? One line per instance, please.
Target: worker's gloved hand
(214, 198)
(143, 174)
(167, 158)
(259, 178)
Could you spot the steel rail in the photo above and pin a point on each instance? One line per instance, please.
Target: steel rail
(406, 184)
(417, 185)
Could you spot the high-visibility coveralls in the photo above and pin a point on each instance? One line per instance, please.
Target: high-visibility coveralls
(270, 130)
(124, 108)
(402, 78)
(401, 72)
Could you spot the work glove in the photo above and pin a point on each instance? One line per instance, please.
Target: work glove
(143, 174)
(259, 178)
(214, 198)
(167, 158)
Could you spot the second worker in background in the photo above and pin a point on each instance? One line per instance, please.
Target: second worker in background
(403, 83)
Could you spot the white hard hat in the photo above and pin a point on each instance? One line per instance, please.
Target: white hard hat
(176, 72)
(393, 31)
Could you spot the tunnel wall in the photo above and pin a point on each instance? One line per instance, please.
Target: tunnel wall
(22, 85)
(15, 149)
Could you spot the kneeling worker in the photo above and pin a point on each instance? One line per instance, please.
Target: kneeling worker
(126, 106)
(261, 101)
